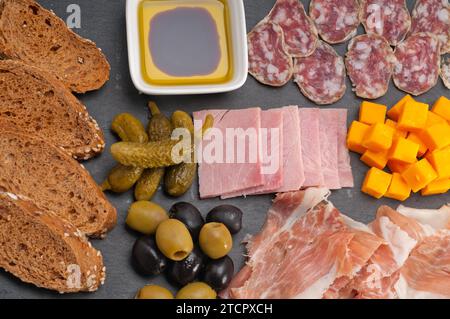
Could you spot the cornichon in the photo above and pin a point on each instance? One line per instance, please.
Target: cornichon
(122, 178)
(129, 128)
(181, 119)
(159, 128)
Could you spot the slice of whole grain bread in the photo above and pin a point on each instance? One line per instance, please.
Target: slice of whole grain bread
(54, 181)
(40, 248)
(30, 33)
(35, 102)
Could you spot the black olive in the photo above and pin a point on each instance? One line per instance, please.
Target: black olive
(189, 215)
(187, 270)
(229, 215)
(147, 258)
(218, 273)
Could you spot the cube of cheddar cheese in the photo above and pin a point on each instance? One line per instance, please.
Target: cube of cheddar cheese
(397, 133)
(434, 119)
(375, 159)
(442, 108)
(414, 137)
(355, 137)
(398, 189)
(394, 112)
(436, 136)
(413, 117)
(379, 137)
(440, 186)
(376, 182)
(371, 113)
(440, 159)
(404, 151)
(398, 167)
(419, 175)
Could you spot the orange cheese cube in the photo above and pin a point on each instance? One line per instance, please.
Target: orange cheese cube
(371, 113)
(398, 133)
(355, 137)
(414, 137)
(440, 186)
(436, 136)
(379, 137)
(394, 112)
(398, 189)
(376, 182)
(404, 151)
(375, 159)
(413, 116)
(434, 119)
(419, 175)
(398, 167)
(440, 159)
(442, 107)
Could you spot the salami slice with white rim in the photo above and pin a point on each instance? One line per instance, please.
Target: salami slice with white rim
(445, 72)
(321, 76)
(336, 20)
(268, 61)
(433, 16)
(370, 64)
(300, 33)
(388, 18)
(418, 63)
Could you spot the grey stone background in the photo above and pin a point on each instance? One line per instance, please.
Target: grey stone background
(103, 21)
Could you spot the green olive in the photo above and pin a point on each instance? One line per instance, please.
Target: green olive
(196, 290)
(145, 217)
(154, 292)
(174, 240)
(215, 240)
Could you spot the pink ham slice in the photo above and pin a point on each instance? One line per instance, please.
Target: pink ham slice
(312, 163)
(312, 249)
(271, 142)
(344, 166)
(222, 178)
(329, 147)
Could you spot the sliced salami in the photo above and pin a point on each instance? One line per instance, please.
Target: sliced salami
(336, 20)
(268, 61)
(370, 64)
(300, 34)
(433, 16)
(321, 76)
(445, 72)
(388, 18)
(418, 63)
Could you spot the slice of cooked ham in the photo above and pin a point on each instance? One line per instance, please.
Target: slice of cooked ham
(344, 165)
(218, 179)
(273, 173)
(329, 119)
(312, 163)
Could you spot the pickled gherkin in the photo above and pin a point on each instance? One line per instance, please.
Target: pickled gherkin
(121, 178)
(159, 126)
(148, 183)
(129, 128)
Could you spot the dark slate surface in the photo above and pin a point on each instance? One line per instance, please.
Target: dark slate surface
(103, 21)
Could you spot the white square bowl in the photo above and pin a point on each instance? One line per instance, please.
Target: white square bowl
(239, 51)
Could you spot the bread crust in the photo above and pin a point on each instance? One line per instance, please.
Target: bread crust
(54, 171)
(77, 62)
(80, 268)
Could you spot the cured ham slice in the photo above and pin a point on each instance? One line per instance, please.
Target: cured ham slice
(321, 76)
(418, 63)
(370, 64)
(272, 145)
(300, 34)
(312, 163)
(329, 147)
(312, 248)
(387, 18)
(433, 16)
(336, 20)
(219, 175)
(268, 61)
